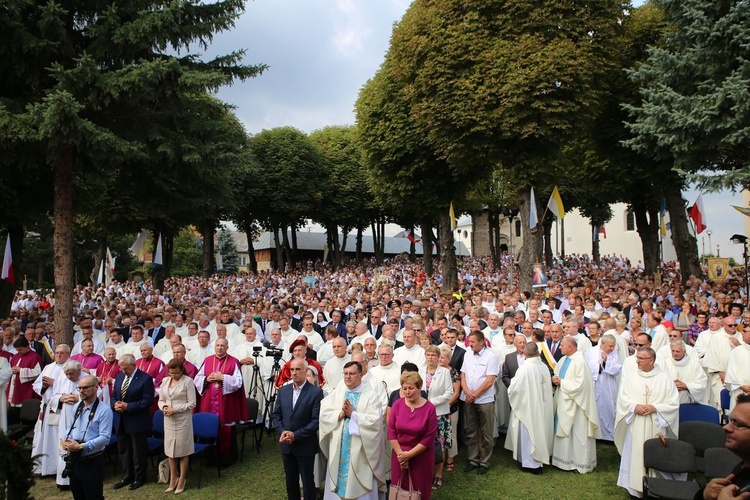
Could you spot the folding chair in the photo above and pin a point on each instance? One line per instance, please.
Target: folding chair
(726, 399)
(690, 412)
(29, 415)
(676, 457)
(206, 432)
(155, 443)
(702, 435)
(241, 429)
(720, 462)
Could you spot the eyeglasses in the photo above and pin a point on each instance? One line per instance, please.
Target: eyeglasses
(85, 387)
(737, 425)
(732, 325)
(640, 345)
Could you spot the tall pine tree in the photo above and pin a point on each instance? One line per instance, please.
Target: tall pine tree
(86, 85)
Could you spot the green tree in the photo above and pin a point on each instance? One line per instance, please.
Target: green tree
(228, 249)
(347, 200)
(404, 174)
(186, 260)
(90, 83)
(288, 162)
(499, 84)
(694, 90)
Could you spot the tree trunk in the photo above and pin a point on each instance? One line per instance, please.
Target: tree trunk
(562, 238)
(167, 244)
(427, 248)
(493, 223)
(207, 233)
(531, 241)
(412, 246)
(360, 229)
(342, 248)
(447, 252)
(279, 251)
(62, 240)
(648, 230)
(287, 248)
(295, 251)
(377, 236)
(251, 251)
(547, 227)
(595, 244)
(381, 223)
(685, 244)
(7, 289)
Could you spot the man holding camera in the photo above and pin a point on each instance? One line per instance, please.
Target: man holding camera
(87, 437)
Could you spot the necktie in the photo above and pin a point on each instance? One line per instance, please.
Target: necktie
(124, 389)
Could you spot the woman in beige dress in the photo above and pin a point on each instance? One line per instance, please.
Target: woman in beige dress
(177, 400)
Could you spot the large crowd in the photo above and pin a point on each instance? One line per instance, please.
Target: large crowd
(372, 374)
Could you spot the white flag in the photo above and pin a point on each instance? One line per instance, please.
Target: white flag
(533, 217)
(139, 242)
(219, 262)
(158, 260)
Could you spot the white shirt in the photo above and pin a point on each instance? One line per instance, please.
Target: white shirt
(476, 368)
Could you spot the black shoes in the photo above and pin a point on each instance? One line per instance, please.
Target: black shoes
(122, 484)
(470, 467)
(135, 485)
(482, 470)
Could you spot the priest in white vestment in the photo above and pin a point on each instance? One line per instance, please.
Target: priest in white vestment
(46, 442)
(64, 398)
(411, 351)
(200, 351)
(605, 366)
(717, 357)
(333, 371)
(387, 371)
(685, 372)
(576, 417)
(737, 379)
(647, 407)
(704, 337)
(352, 438)
(247, 352)
(530, 433)
(502, 346)
(665, 352)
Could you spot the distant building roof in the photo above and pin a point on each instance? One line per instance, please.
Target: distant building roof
(318, 241)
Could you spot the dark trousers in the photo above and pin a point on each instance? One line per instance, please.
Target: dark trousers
(133, 451)
(87, 481)
(294, 467)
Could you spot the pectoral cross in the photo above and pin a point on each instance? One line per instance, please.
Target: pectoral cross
(647, 393)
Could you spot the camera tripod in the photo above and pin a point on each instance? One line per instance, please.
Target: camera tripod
(268, 392)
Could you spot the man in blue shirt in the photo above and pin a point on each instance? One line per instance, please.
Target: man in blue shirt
(87, 437)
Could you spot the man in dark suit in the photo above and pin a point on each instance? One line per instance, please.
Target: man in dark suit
(132, 399)
(295, 419)
(375, 324)
(553, 342)
(158, 331)
(514, 359)
(457, 358)
(338, 322)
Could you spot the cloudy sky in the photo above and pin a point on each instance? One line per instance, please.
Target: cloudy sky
(321, 52)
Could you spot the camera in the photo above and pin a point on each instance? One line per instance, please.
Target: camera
(256, 350)
(71, 460)
(275, 353)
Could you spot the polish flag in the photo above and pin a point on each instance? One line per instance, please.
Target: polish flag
(7, 273)
(698, 214)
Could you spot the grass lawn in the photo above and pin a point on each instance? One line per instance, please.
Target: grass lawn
(261, 477)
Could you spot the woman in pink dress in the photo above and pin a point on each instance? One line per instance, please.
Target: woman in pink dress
(412, 427)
